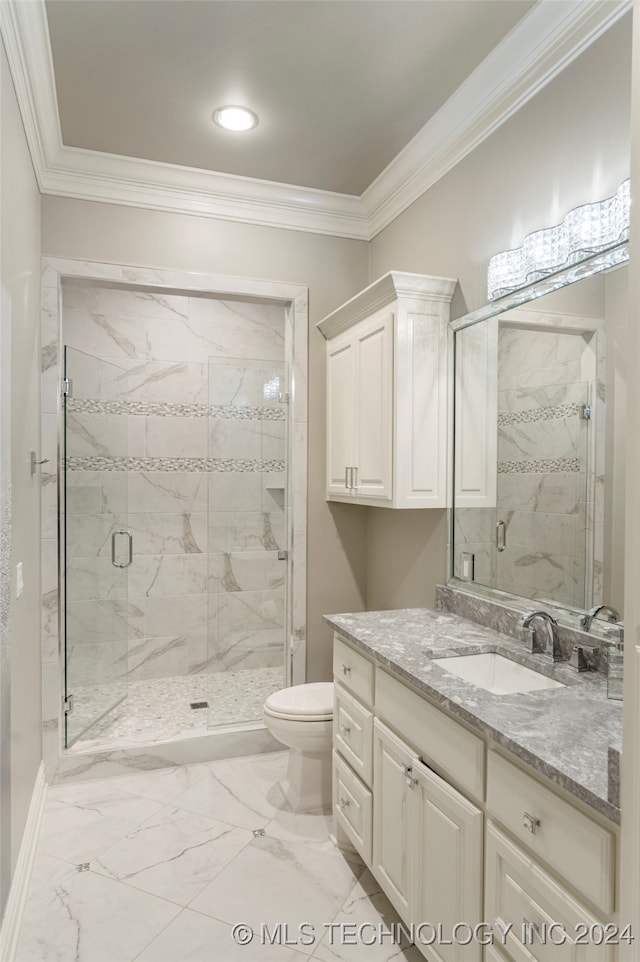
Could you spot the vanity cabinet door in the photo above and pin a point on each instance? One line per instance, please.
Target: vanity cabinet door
(374, 407)
(393, 816)
(341, 396)
(447, 877)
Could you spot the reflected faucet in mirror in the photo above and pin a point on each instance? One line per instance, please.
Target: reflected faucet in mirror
(552, 627)
(585, 621)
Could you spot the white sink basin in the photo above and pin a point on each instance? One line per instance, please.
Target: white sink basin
(497, 674)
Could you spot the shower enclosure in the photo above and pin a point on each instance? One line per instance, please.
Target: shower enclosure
(175, 459)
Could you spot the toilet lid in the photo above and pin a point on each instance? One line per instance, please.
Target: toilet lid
(313, 699)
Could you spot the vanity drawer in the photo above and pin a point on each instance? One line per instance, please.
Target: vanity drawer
(352, 807)
(578, 848)
(519, 892)
(443, 744)
(353, 733)
(353, 670)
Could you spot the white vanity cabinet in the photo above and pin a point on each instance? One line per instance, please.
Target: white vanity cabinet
(353, 676)
(447, 840)
(393, 801)
(388, 393)
(550, 869)
(427, 845)
(359, 410)
(454, 831)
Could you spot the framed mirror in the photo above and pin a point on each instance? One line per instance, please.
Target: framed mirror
(539, 411)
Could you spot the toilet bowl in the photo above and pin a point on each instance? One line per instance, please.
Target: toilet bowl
(301, 718)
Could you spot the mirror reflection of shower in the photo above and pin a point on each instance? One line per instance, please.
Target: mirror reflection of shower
(174, 512)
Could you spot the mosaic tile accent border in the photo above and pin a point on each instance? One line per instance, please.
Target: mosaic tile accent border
(542, 466)
(236, 412)
(557, 413)
(209, 465)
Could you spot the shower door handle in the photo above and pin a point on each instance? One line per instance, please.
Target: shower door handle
(121, 564)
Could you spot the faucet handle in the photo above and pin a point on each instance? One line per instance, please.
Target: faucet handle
(578, 660)
(615, 635)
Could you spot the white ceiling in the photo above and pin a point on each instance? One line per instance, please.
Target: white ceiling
(340, 87)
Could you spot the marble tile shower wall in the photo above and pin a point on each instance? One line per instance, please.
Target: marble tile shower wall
(152, 451)
(544, 494)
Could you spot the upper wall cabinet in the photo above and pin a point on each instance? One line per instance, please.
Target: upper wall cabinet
(387, 393)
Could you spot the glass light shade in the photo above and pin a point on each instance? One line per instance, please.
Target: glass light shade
(585, 231)
(235, 118)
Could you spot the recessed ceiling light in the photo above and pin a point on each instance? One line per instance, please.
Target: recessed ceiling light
(235, 118)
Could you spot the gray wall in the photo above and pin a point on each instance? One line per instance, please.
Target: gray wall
(567, 146)
(333, 269)
(20, 271)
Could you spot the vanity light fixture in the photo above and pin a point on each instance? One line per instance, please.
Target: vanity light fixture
(586, 231)
(235, 118)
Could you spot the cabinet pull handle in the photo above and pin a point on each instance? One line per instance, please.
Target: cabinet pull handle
(531, 823)
(345, 730)
(343, 803)
(409, 777)
(346, 669)
(346, 478)
(354, 478)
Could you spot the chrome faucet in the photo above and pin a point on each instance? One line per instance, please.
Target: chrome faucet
(585, 621)
(552, 627)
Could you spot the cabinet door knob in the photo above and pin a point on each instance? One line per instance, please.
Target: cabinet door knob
(344, 803)
(346, 669)
(345, 730)
(409, 777)
(531, 823)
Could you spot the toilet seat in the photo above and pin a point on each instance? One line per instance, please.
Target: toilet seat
(312, 701)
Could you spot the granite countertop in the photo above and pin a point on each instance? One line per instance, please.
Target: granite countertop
(563, 733)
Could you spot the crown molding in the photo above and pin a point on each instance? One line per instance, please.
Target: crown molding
(384, 291)
(533, 53)
(111, 178)
(545, 41)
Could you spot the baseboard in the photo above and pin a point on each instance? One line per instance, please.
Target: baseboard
(12, 922)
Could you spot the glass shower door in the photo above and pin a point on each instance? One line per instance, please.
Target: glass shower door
(248, 561)
(97, 541)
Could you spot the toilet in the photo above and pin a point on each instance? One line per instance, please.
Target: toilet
(301, 718)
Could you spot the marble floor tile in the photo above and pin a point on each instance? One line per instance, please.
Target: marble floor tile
(304, 887)
(174, 854)
(161, 785)
(193, 937)
(84, 917)
(83, 820)
(368, 909)
(147, 860)
(310, 829)
(242, 792)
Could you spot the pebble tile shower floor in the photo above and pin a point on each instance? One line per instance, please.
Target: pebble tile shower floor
(160, 708)
(159, 867)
